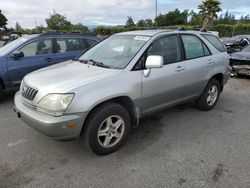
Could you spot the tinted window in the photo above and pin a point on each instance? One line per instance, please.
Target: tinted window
(194, 47)
(89, 42)
(39, 47)
(71, 45)
(215, 42)
(168, 47)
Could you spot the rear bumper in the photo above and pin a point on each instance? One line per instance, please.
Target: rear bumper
(55, 127)
(227, 75)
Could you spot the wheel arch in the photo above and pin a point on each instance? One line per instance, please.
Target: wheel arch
(124, 101)
(219, 77)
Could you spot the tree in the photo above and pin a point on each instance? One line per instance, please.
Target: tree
(18, 26)
(175, 17)
(80, 27)
(130, 22)
(226, 19)
(245, 19)
(209, 9)
(141, 23)
(58, 22)
(195, 18)
(149, 22)
(3, 20)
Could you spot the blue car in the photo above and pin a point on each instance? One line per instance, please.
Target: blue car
(33, 52)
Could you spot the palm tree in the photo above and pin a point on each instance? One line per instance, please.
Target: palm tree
(209, 10)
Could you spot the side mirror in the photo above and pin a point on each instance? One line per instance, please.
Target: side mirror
(17, 54)
(154, 61)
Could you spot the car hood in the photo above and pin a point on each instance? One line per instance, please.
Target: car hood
(241, 55)
(66, 76)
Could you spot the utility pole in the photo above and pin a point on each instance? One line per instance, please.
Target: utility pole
(156, 8)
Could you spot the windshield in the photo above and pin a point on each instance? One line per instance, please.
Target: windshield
(12, 45)
(116, 51)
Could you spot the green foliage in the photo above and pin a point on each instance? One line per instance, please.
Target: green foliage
(3, 20)
(226, 30)
(195, 18)
(130, 22)
(145, 23)
(58, 22)
(245, 19)
(79, 27)
(226, 19)
(175, 17)
(209, 9)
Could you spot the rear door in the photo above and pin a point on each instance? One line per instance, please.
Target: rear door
(69, 47)
(37, 54)
(199, 62)
(167, 85)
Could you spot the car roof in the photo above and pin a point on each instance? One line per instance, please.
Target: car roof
(87, 36)
(151, 33)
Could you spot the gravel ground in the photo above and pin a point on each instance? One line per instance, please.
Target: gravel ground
(179, 147)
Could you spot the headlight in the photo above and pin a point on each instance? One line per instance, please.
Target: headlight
(54, 104)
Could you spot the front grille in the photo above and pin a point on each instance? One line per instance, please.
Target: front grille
(28, 92)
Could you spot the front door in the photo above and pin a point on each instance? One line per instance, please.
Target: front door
(37, 54)
(164, 86)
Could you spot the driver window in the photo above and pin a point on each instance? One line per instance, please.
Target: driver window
(168, 47)
(39, 47)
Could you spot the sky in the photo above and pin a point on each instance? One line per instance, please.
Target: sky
(30, 13)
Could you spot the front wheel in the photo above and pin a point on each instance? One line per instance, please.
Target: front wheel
(107, 128)
(210, 96)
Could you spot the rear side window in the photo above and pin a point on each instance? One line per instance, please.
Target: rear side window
(71, 45)
(194, 47)
(215, 42)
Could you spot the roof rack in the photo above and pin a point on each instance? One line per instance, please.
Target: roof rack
(52, 32)
(181, 29)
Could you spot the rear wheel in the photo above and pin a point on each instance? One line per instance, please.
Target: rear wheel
(210, 96)
(107, 128)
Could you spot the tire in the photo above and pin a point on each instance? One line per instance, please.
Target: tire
(210, 96)
(106, 128)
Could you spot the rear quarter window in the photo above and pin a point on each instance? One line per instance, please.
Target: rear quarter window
(215, 42)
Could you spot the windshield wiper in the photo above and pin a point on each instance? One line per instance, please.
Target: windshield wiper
(92, 62)
(99, 64)
(80, 60)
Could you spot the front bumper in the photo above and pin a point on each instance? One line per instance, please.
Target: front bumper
(55, 127)
(240, 66)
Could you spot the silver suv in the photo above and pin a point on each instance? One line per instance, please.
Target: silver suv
(105, 91)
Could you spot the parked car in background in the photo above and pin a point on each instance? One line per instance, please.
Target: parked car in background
(11, 38)
(32, 52)
(118, 81)
(236, 43)
(240, 61)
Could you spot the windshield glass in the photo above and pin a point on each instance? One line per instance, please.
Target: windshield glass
(116, 51)
(10, 46)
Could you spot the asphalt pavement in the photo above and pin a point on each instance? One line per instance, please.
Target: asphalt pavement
(179, 147)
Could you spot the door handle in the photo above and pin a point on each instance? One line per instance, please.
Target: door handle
(179, 69)
(210, 61)
(48, 59)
